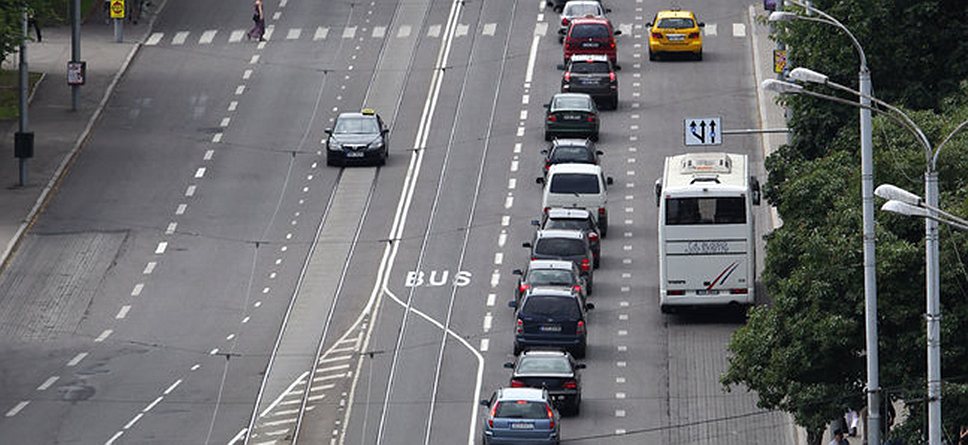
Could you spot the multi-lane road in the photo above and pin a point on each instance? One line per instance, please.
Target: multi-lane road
(202, 277)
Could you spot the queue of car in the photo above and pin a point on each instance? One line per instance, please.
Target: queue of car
(551, 294)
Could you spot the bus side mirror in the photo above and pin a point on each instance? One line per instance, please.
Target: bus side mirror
(658, 191)
(756, 193)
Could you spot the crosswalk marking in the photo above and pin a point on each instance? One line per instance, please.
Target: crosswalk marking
(739, 30)
(462, 30)
(154, 39)
(403, 31)
(489, 29)
(433, 31)
(349, 32)
(379, 32)
(294, 34)
(207, 36)
(321, 33)
(710, 29)
(236, 36)
(179, 38)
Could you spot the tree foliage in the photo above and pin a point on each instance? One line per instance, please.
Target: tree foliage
(11, 20)
(805, 353)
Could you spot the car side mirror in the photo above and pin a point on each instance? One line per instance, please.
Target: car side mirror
(608, 10)
(528, 245)
(560, 66)
(658, 191)
(617, 67)
(539, 180)
(513, 304)
(517, 272)
(509, 365)
(617, 32)
(547, 105)
(580, 366)
(385, 131)
(702, 25)
(562, 31)
(648, 25)
(486, 403)
(609, 180)
(599, 152)
(544, 152)
(329, 131)
(589, 306)
(535, 222)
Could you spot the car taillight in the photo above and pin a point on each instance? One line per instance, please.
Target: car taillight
(592, 236)
(520, 326)
(601, 211)
(564, 21)
(517, 384)
(581, 328)
(585, 265)
(576, 288)
(523, 287)
(552, 118)
(675, 292)
(656, 35)
(591, 118)
(742, 291)
(611, 44)
(567, 76)
(551, 416)
(490, 419)
(570, 384)
(694, 35)
(546, 209)
(611, 76)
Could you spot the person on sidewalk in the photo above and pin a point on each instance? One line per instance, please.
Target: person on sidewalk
(32, 22)
(963, 435)
(839, 438)
(259, 17)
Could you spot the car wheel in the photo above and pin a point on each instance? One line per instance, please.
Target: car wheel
(665, 309)
(613, 103)
(594, 136)
(653, 56)
(698, 56)
(588, 286)
(597, 262)
(561, 39)
(576, 406)
(332, 162)
(580, 351)
(547, 136)
(517, 349)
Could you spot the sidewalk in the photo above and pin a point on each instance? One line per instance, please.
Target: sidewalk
(59, 133)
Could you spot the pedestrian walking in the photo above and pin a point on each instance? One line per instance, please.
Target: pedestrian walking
(839, 438)
(963, 435)
(259, 17)
(32, 22)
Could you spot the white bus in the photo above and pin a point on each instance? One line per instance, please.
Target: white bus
(707, 249)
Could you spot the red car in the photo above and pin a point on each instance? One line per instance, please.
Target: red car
(591, 35)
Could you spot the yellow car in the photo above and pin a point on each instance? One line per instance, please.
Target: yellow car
(675, 31)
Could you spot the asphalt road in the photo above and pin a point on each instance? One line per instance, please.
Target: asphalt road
(174, 258)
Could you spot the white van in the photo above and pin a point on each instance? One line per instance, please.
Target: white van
(577, 186)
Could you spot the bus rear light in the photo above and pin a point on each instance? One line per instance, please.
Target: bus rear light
(742, 291)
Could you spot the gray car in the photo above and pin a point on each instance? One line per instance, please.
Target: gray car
(521, 416)
(569, 245)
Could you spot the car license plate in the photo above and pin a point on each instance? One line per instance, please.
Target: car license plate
(571, 117)
(588, 81)
(551, 328)
(589, 45)
(707, 292)
(354, 154)
(522, 426)
(676, 37)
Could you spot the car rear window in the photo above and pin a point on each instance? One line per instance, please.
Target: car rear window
(572, 154)
(531, 365)
(571, 103)
(590, 67)
(581, 9)
(521, 409)
(568, 224)
(552, 307)
(560, 247)
(550, 277)
(589, 31)
(677, 23)
(574, 183)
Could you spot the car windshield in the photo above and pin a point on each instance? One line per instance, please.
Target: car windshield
(560, 247)
(676, 23)
(693, 211)
(572, 154)
(536, 365)
(551, 277)
(356, 125)
(552, 307)
(574, 183)
(571, 103)
(581, 9)
(590, 68)
(590, 31)
(567, 224)
(521, 409)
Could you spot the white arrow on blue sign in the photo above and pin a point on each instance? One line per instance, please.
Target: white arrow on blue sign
(703, 131)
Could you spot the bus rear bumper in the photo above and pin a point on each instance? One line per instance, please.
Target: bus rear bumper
(690, 300)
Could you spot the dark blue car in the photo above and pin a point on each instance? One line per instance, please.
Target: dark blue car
(551, 318)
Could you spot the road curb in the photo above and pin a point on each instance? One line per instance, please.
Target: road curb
(58, 175)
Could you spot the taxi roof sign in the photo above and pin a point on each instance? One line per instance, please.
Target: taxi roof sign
(368, 112)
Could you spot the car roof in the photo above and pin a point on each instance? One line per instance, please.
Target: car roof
(543, 353)
(675, 13)
(560, 233)
(571, 167)
(589, 58)
(530, 394)
(562, 212)
(586, 20)
(571, 142)
(356, 114)
(550, 264)
(550, 291)
(567, 95)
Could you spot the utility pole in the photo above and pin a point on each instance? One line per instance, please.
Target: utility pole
(75, 49)
(23, 140)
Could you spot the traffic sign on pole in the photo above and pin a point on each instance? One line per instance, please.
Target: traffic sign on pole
(702, 131)
(117, 9)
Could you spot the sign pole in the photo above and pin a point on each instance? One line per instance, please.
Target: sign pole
(23, 140)
(75, 48)
(117, 13)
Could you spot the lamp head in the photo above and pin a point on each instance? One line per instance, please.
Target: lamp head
(782, 16)
(895, 193)
(780, 86)
(808, 75)
(903, 208)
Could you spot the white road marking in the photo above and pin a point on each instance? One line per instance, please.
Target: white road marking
(491, 298)
(517, 148)
(229, 337)
(48, 383)
(293, 33)
(236, 35)
(620, 413)
(171, 228)
(433, 31)
(379, 32)
(216, 138)
(623, 304)
(532, 56)
(276, 15)
(520, 131)
(207, 37)
(172, 387)
(498, 258)
(488, 320)
(625, 289)
(254, 59)
(239, 90)
(200, 173)
(622, 348)
(16, 409)
(154, 39)
(181, 209)
(512, 183)
(626, 28)
(623, 333)
(403, 31)
(540, 29)
(623, 317)
(502, 239)
(739, 30)
(179, 38)
(485, 344)
(152, 404)
(114, 437)
(77, 359)
(333, 368)
(495, 278)
(489, 29)
(508, 202)
(133, 421)
(349, 32)
(524, 115)
(514, 166)
(619, 380)
(461, 30)
(282, 3)
(621, 364)
(505, 220)
(213, 351)
(525, 99)
(541, 17)
(620, 395)
(619, 432)
(162, 246)
(190, 191)
(627, 261)
(321, 33)
(710, 29)
(137, 289)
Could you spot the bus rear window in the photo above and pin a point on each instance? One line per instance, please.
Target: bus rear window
(694, 211)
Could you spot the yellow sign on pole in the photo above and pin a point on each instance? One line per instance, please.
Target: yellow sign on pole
(779, 60)
(117, 9)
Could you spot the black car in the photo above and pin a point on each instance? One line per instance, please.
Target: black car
(570, 151)
(571, 114)
(554, 273)
(358, 138)
(574, 219)
(550, 317)
(594, 75)
(569, 245)
(554, 371)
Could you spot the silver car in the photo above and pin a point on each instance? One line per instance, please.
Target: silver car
(521, 416)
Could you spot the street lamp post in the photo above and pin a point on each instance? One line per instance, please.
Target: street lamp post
(867, 198)
(930, 203)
